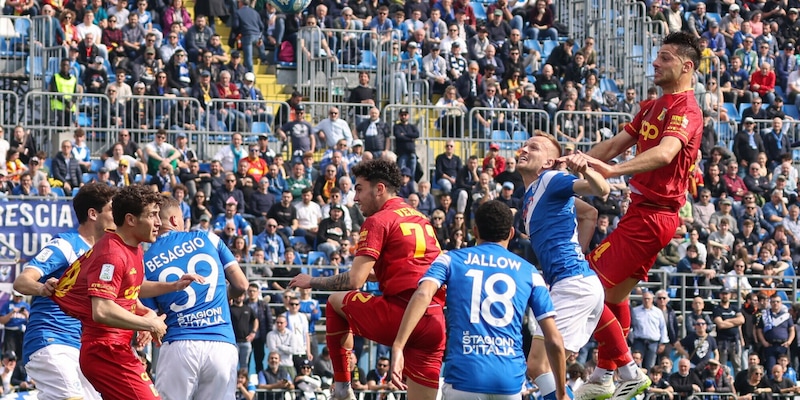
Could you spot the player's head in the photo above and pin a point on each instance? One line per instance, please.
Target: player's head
(493, 222)
(171, 215)
(135, 211)
(93, 203)
(539, 153)
(677, 60)
(376, 182)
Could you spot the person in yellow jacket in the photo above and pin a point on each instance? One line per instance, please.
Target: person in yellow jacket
(65, 84)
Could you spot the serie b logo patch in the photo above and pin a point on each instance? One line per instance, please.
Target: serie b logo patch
(107, 272)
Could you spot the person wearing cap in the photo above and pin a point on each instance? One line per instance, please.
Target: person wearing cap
(95, 76)
(232, 217)
(716, 40)
(102, 177)
(731, 23)
(332, 230)
(434, 67)
(405, 134)
(785, 63)
(34, 168)
(307, 382)
(789, 28)
(727, 319)
(236, 68)
(65, 84)
(507, 197)
(747, 143)
(300, 134)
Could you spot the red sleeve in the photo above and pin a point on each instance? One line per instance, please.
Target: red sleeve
(104, 277)
(682, 121)
(372, 238)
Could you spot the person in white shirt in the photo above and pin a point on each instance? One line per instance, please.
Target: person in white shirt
(309, 214)
(333, 129)
(286, 343)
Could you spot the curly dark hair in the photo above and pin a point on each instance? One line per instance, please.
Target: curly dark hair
(133, 200)
(687, 46)
(92, 195)
(378, 170)
(494, 221)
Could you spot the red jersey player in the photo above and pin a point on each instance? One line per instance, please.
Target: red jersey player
(101, 289)
(667, 133)
(398, 244)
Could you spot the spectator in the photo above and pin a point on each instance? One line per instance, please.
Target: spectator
(685, 382)
(375, 133)
(775, 332)
(755, 387)
(405, 134)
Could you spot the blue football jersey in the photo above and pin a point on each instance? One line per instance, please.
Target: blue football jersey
(47, 324)
(549, 212)
(490, 289)
(199, 312)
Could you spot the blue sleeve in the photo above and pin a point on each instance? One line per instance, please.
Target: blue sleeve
(187, 212)
(51, 258)
(540, 301)
(262, 380)
(561, 184)
(225, 254)
(251, 387)
(219, 223)
(439, 271)
(281, 248)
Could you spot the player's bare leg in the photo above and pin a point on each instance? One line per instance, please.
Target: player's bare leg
(420, 392)
(339, 339)
(539, 369)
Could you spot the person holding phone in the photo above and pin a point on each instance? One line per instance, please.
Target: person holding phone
(14, 318)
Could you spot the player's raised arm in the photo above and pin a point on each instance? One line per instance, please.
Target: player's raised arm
(414, 311)
(350, 280)
(610, 148)
(651, 159)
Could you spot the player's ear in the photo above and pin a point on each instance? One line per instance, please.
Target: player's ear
(475, 232)
(93, 214)
(511, 233)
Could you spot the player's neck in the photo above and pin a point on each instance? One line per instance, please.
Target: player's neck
(128, 236)
(503, 243)
(90, 233)
(681, 85)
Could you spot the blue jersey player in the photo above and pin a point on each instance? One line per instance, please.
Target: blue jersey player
(52, 339)
(484, 354)
(198, 357)
(549, 213)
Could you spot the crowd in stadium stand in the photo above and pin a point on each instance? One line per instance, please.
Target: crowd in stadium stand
(739, 246)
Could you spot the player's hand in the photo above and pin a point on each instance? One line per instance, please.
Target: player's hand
(158, 328)
(398, 363)
(576, 162)
(142, 339)
(188, 279)
(302, 281)
(604, 169)
(48, 287)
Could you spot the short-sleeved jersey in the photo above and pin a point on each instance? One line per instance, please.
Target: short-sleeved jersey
(199, 312)
(485, 314)
(403, 244)
(549, 214)
(676, 115)
(111, 270)
(47, 324)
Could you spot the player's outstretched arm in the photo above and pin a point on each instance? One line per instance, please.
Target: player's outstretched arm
(592, 184)
(350, 280)
(28, 283)
(107, 312)
(613, 147)
(586, 215)
(554, 346)
(154, 289)
(414, 311)
(654, 158)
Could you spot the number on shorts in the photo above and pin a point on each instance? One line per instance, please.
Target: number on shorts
(413, 228)
(492, 297)
(211, 280)
(598, 252)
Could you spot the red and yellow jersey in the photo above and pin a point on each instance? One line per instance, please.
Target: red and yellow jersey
(110, 270)
(403, 244)
(676, 115)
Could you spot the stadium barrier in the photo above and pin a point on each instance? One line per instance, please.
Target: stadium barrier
(9, 110)
(586, 128)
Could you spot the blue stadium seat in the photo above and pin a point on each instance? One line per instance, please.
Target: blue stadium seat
(314, 258)
(88, 177)
(34, 66)
(57, 191)
(368, 60)
(205, 167)
(502, 138)
(725, 132)
(294, 240)
(84, 120)
(96, 165)
(519, 137)
(548, 47)
(791, 111)
(715, 16)
(608, 84)
(779, 92)
(260, 127)
(733, 113)
(533, 44)
(480, 12)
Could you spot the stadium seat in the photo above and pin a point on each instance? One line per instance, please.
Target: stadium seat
(57, 191)
(502, 138)
(34, 66)
(260, 127)
(480, 12)
(533, 44)
(519, 137)
(733, 113)
(725, 132)
(84, 120)
(791, 111)
(294, 240)
(317, 257)
(548, 47)
(608, 84)
(368, 60)
(715, 16)
(96, 165)
(88, 177)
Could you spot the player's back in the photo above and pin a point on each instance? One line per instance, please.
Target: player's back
(494, 288)
(199, 312)
(676, 115)
(47, 324)
(549, 212)
(404, 244)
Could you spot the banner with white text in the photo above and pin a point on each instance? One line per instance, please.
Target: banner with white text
(28, 224)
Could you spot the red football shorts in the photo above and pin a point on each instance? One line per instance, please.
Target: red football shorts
(378, 318)
(631, 249)
(115, 371)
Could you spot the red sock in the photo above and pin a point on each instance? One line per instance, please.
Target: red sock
(611, 346)
(337, 331)
(623, 313)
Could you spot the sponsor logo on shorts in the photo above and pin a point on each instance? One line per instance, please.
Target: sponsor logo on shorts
(107, 272)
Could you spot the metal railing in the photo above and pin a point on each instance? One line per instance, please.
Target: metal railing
(585, 129)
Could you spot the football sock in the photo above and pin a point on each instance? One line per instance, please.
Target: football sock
(337, 331)
(628, 371)
(622, 311)
(547, 385)
(611, 345)
(601, 375)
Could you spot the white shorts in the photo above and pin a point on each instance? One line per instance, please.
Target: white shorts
(448, 393)
(57, 374)
(579, 303)
(197, 369)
